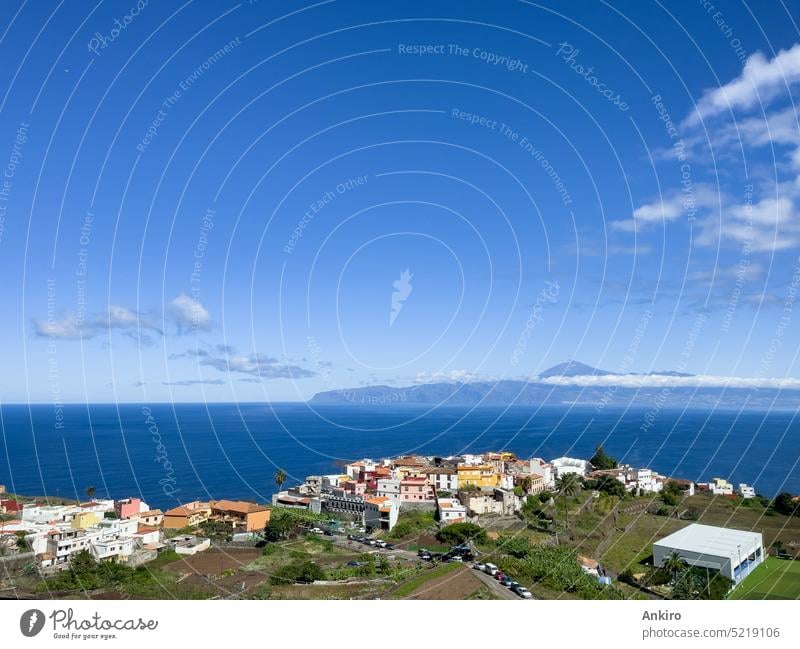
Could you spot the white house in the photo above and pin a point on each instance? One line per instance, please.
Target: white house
(389, 488)
(564, 465)
(353, 470)
(380, 513)
(734, 553)
(189, 544)
(537, 466)
(443, 478)
(46, 513)
(721, 487)
(746, 491)
(450, 510)
(112, 549)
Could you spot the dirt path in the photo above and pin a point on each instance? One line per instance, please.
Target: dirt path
(458, 584)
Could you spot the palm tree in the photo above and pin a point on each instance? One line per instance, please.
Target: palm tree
(686, 587)
(90, 492)
(674, 564)
(569, 485)
(280, 478)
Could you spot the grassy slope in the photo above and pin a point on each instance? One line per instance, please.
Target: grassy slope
(773, 579)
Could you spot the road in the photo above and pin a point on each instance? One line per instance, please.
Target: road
(495, 586)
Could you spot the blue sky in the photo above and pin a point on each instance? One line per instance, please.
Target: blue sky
(220, 201)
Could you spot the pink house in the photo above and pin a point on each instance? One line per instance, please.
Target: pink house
(415, 489)
(354, 488)
(128, 507)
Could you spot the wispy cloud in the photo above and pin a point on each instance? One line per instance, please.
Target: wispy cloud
(191, 382)
(660, 381)
(225, 358)
(451, 376)
(761, 81)
(729, 125)
(71, 327)
(187, 315)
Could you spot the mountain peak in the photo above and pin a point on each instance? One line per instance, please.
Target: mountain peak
(572, 368)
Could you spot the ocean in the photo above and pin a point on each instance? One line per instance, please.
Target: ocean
(168, 453)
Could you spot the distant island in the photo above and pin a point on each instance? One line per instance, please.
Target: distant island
(575, 383)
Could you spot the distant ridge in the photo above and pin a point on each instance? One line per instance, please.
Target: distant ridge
(545, 389)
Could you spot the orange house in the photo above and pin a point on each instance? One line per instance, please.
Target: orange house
(249, 516)
(187, 515)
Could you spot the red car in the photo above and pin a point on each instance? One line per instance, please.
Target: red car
(499, 575)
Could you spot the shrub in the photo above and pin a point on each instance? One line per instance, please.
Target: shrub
(303, 572)
(458, 533)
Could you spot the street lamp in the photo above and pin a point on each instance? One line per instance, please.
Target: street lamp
(739, 552)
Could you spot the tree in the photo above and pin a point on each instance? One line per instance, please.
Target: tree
(784, 504)
(22, 544)
(610, 486)
(303, 572)
(280, 478)
(686, 587)
(674, 564)
(669, 498)
(281, 525)
(90, 492)
(602, 461)
(699, 583)
(458, 533)
(569, 486)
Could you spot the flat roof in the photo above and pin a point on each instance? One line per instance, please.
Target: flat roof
(712, 541)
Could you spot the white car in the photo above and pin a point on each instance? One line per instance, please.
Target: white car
(490, 569)
(456, 559)
(479, 566)
(381, 543)
(523, 592)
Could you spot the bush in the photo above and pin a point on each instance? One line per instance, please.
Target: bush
(410, 523)
(302, 572)
(458, 533)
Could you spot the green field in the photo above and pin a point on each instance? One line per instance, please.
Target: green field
(773, 579)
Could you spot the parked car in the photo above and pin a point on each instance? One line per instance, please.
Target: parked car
(456, 559)
(354, 564)
(370, 541)
(490, 569)
(426, 557)
(522, 591)
(422, 551)
(506, 581)
(479, 566)
(499, 575)
(380, 543)
(388, 546)
(327, 533)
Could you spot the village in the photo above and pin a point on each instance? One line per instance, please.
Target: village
(400, 520)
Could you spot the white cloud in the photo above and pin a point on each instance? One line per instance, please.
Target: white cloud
(452, 376)
(188, 314)
(225, 358)
(760, 82)
(657, 381)
(70, 327)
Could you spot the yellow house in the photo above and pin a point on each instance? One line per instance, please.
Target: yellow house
(480, 475)
(84, 520)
